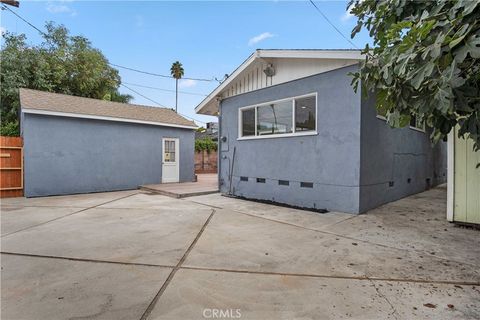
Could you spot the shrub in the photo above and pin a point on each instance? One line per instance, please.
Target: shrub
(205, 144)
(10, 129)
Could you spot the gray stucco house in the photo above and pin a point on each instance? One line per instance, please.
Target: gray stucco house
(78, 145)
(293, 131)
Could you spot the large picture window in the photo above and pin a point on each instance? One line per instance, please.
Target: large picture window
(293, 116)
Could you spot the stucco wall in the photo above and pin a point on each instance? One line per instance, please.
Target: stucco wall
(330, 159)
(69, 155)
(403, 156)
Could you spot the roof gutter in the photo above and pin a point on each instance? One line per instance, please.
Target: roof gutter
(105, 118)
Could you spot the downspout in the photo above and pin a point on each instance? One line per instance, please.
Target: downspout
(219, 152)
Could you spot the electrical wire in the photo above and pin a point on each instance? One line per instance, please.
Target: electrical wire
(161, 105)
(141, 95)
(166, 90)
(4, 7)
(334, 27)
(134, 91)
(157, 74)
(116, 65)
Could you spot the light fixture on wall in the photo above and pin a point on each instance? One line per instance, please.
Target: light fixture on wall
(269, 70)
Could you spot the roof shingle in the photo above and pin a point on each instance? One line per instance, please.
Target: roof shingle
(62, 103)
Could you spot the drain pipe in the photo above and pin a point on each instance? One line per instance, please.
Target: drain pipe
(231, 171)
(219, 137)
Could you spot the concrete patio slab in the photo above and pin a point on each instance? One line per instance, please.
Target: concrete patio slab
(192, 294)
(121, 235)
(152, 201)
(413, 226)
(234, 241)
(304, 218)
(13, 219)
(40, 288)
(206, 183)
(412, 300)
(395, 262)
(86, 200)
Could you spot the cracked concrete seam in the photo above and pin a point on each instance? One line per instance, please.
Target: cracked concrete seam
(67, 215)
(331, 233)
(164, 286)
(394, 311)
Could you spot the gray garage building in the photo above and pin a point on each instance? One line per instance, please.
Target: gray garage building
(78, 145)
(293, 131)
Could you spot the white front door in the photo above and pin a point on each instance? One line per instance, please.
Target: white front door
(170, 160)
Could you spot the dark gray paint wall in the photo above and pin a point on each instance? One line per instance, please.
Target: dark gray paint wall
(402, 155)
(70, 155)
(330, 159)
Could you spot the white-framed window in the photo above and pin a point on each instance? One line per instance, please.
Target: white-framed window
(417, 124)
(287, 117)
(381, 114)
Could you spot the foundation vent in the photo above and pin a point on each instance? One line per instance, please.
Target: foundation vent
(306, 184)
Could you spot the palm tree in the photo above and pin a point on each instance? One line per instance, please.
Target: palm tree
(177, 72)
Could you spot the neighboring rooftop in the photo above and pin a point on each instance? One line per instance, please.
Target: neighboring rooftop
(41, 102)
(285, 65)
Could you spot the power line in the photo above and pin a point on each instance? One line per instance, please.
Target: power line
(330, 22)
(157, 74)
(4, 7)
(161, 105)
(166, 90)
(113, 64)
(135, 91)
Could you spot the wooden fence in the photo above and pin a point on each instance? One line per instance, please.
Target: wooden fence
(11, 167)
(206, 162)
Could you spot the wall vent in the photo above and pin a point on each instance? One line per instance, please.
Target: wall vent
(243, 178)
(283, 182)
(260, 180)
(306, 184)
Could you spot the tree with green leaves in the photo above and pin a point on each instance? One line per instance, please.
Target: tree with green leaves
(62, 63)
(424, 62)
(177, 72)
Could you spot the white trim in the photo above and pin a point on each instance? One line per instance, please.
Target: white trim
(227, 81)
(312, 54)
(417, 129)
(380, 117)
(266, 54)
(279, 135)
(106, 118)
(450, 175)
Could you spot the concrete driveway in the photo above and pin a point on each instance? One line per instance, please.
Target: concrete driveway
(133, 255)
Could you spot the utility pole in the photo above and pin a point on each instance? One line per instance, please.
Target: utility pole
(176, 94)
